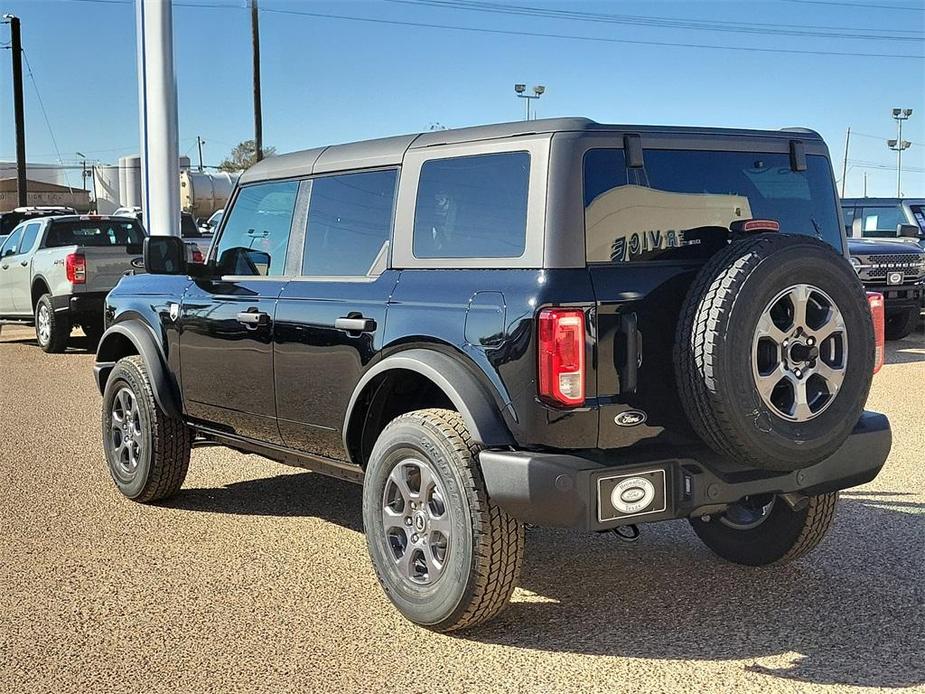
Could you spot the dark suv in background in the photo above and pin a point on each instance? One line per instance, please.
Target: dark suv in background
(557, 322)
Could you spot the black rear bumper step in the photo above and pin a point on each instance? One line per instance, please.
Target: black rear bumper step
(561, 490)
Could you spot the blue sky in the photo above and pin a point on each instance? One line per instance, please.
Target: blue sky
(329, 80)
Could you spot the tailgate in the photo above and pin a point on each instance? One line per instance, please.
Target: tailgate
(106, 265)
(637, 308)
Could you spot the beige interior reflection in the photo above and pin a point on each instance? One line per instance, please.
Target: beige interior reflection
(631, 220)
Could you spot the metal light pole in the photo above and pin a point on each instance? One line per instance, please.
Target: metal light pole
(899, 144)
(520, 90)
(157, 106)
(18, 107)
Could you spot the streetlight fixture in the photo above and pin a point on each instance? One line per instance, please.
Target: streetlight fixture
(521, 89)
(899, 144)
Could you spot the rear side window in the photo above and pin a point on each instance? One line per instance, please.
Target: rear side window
(256, 233)
(681, 204)
(95, 232)
(882, 222)
(472, 207)
(918, 214)
(349, 222)
(28, 238)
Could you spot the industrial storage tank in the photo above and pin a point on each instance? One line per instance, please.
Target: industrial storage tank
(130, 191)
(107, 184)
(203, 193)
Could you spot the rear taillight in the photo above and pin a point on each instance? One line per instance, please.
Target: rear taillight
(197, 256)
(562, 356)
(877, 315)
(75, 267)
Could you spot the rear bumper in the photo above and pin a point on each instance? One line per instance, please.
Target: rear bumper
(560, 490)
(897, 297)
(84, 304)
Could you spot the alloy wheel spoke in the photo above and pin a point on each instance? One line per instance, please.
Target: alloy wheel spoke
(397, 477)
(767, 328)
(427, 482)
(799, 297)
(434, 565)
(406, 561)
(835, 324)
(800, 409)
(439, 523)
(392, 519)
(767, 384)
(832, 375)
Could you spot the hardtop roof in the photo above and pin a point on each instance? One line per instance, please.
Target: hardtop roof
(389, 151)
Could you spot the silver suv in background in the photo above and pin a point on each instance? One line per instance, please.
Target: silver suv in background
(885, 218)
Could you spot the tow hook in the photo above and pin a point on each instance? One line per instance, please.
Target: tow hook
(627, 533)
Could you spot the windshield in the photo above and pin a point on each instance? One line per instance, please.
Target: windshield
(95, 232)
(681, 204)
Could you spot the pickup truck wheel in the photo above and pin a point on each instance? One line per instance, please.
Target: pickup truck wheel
(147, 450)
(52, 330)
(443, 553)
(902, 324)
(766, 530)
(774, 352)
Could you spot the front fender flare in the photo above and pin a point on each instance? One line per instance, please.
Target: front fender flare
(142, 338)
(479, 411)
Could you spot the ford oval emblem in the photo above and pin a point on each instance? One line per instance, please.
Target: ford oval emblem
(630, 418)
(632, 495)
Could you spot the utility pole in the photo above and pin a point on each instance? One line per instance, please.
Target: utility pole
(18, 107)
(200, 142)
(899, 144)
(258, 116)
(844, 168)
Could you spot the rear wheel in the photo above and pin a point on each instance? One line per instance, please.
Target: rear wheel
(52, 330)
(444, 554)
(902, 324)
(764, 529)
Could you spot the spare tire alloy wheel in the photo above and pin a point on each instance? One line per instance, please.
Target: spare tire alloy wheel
(800, 352)
(416, 521)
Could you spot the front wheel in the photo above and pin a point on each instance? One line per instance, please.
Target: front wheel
(147, 450)
(764, 529)
(444, 554)
(899, 325)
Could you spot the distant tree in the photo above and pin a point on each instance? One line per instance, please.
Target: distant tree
(436, 125)
(243, 156)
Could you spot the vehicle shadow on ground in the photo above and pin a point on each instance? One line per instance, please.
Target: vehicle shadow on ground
(294, 495)
(77, 344)
(909, 350)
(668, 597)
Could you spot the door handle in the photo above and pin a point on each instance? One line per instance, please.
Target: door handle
(355, 324)
(24, 263)
(5, 267)
(254, 319)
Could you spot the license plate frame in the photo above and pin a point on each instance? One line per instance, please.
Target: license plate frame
(607, 512)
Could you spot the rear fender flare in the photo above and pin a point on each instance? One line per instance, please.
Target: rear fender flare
(480, 413)
(145, 343)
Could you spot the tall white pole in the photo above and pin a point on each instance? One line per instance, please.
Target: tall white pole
(157, 110)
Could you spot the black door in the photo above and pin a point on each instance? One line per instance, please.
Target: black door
(330, 320)
(227, 323)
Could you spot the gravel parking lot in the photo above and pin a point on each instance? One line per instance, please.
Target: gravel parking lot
(255, 578)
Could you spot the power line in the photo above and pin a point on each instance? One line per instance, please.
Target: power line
(51, 132)
(667, 22)
(599, 39)
(863, 5)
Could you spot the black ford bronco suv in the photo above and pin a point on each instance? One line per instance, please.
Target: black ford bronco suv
(556, 323)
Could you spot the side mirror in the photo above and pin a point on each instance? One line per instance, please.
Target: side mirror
(908, 231)
(244, 261)
(165, 255)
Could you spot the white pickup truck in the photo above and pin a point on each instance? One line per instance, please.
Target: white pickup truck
(55, 273)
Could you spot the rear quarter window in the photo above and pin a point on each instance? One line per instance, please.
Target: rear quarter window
(472, 207)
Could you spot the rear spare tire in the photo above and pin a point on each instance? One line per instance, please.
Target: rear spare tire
(774, 351)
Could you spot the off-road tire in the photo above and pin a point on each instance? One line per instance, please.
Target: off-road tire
(164, 462)
(713, 351)
(486, 553)
(784, 536)
(900, 325)
(59, 326)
